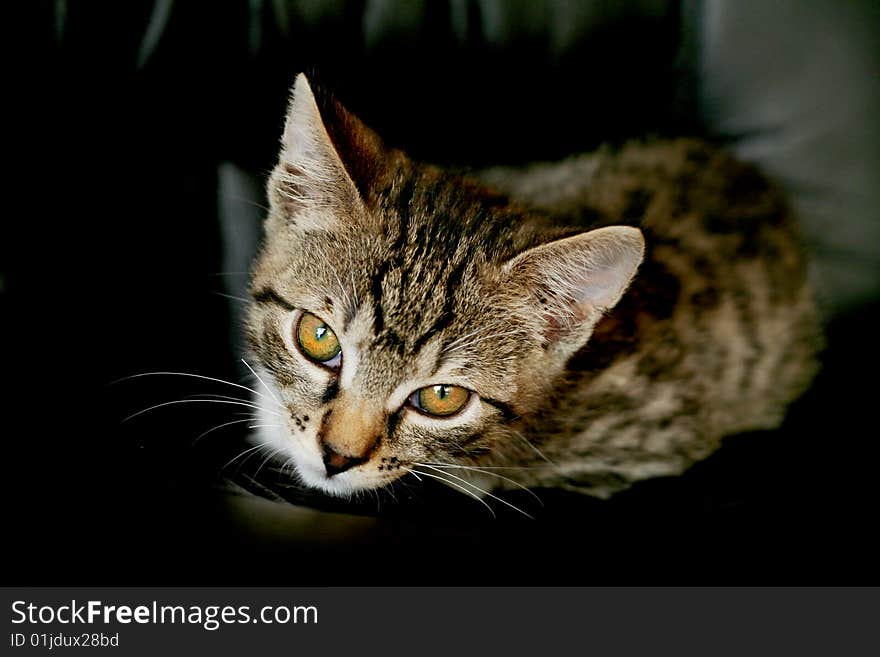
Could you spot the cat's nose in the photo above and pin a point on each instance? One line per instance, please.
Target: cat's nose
(349, 434)
(334, 462)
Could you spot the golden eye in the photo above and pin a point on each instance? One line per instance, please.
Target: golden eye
(317, 341)
(440, 400)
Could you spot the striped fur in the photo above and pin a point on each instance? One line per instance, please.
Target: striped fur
(507, 283)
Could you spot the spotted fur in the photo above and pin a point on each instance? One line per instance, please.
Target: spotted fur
(508, 283)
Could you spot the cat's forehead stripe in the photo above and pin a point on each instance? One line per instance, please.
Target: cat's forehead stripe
(416, 197)
(268, 295)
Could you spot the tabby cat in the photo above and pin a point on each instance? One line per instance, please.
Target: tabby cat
(581, 325)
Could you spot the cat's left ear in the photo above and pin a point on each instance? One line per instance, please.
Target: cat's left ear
(566, 285)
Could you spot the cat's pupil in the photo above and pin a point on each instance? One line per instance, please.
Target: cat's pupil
(442, 392)
(321, 332)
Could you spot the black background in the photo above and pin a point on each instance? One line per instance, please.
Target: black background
(110, 269)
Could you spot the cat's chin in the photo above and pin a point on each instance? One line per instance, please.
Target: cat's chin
(341, 485)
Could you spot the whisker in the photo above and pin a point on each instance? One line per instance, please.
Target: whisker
(249, 449)
(493, 474)
(212, 395)
(247, 365)
(195, 376)
(243, 402)
(452, 483)
(267, 459)
(485, 492)
(231, 296)
(287, 464)
(245, 201)
(190, 401)
(293, 474)
(500, 467)
(378, 500)
(536, 450)
(219, 426)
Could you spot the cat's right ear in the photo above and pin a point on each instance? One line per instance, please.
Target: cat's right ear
(326, 158)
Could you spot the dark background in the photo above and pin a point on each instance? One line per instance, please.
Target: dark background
(112, 267)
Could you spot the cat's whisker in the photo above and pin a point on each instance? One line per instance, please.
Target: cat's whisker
(245, 201)
(248, 450)
(272, 454)
(531, 446)
(452, 483)
(474, 486)
(212, 395)
(197, 376)
(246, 402)
(220, 426)
(501, 467)
(231, 296)
(287, 464)
(291, 465)
(271, 394)
(189, 401)
(486, 472)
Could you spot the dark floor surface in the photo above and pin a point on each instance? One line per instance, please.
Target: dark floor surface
(108, 270)
(110, 504)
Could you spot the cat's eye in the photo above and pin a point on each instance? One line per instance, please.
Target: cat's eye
(440, 400)
(317, 341)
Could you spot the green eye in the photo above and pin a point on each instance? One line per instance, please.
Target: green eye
(440, 400)
(317, 341)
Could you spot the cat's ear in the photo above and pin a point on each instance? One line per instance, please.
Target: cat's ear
(566, 285)
(328, 159)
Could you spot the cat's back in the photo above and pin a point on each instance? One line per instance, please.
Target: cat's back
(717, 333)
(684, 192)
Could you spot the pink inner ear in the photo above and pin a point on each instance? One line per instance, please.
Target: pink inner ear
(577, 278)
(552, 328)
(557, 325)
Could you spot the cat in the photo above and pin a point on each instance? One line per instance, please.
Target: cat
(581, 325)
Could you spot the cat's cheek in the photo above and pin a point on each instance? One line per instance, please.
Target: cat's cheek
(300, 450)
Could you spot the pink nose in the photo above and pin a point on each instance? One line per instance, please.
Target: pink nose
(335, 463)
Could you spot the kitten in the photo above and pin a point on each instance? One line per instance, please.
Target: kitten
(612, 322)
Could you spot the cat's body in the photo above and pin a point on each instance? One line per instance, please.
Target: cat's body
(428, 281)
(716, 334)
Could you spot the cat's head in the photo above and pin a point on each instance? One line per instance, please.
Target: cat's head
(403, 314)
